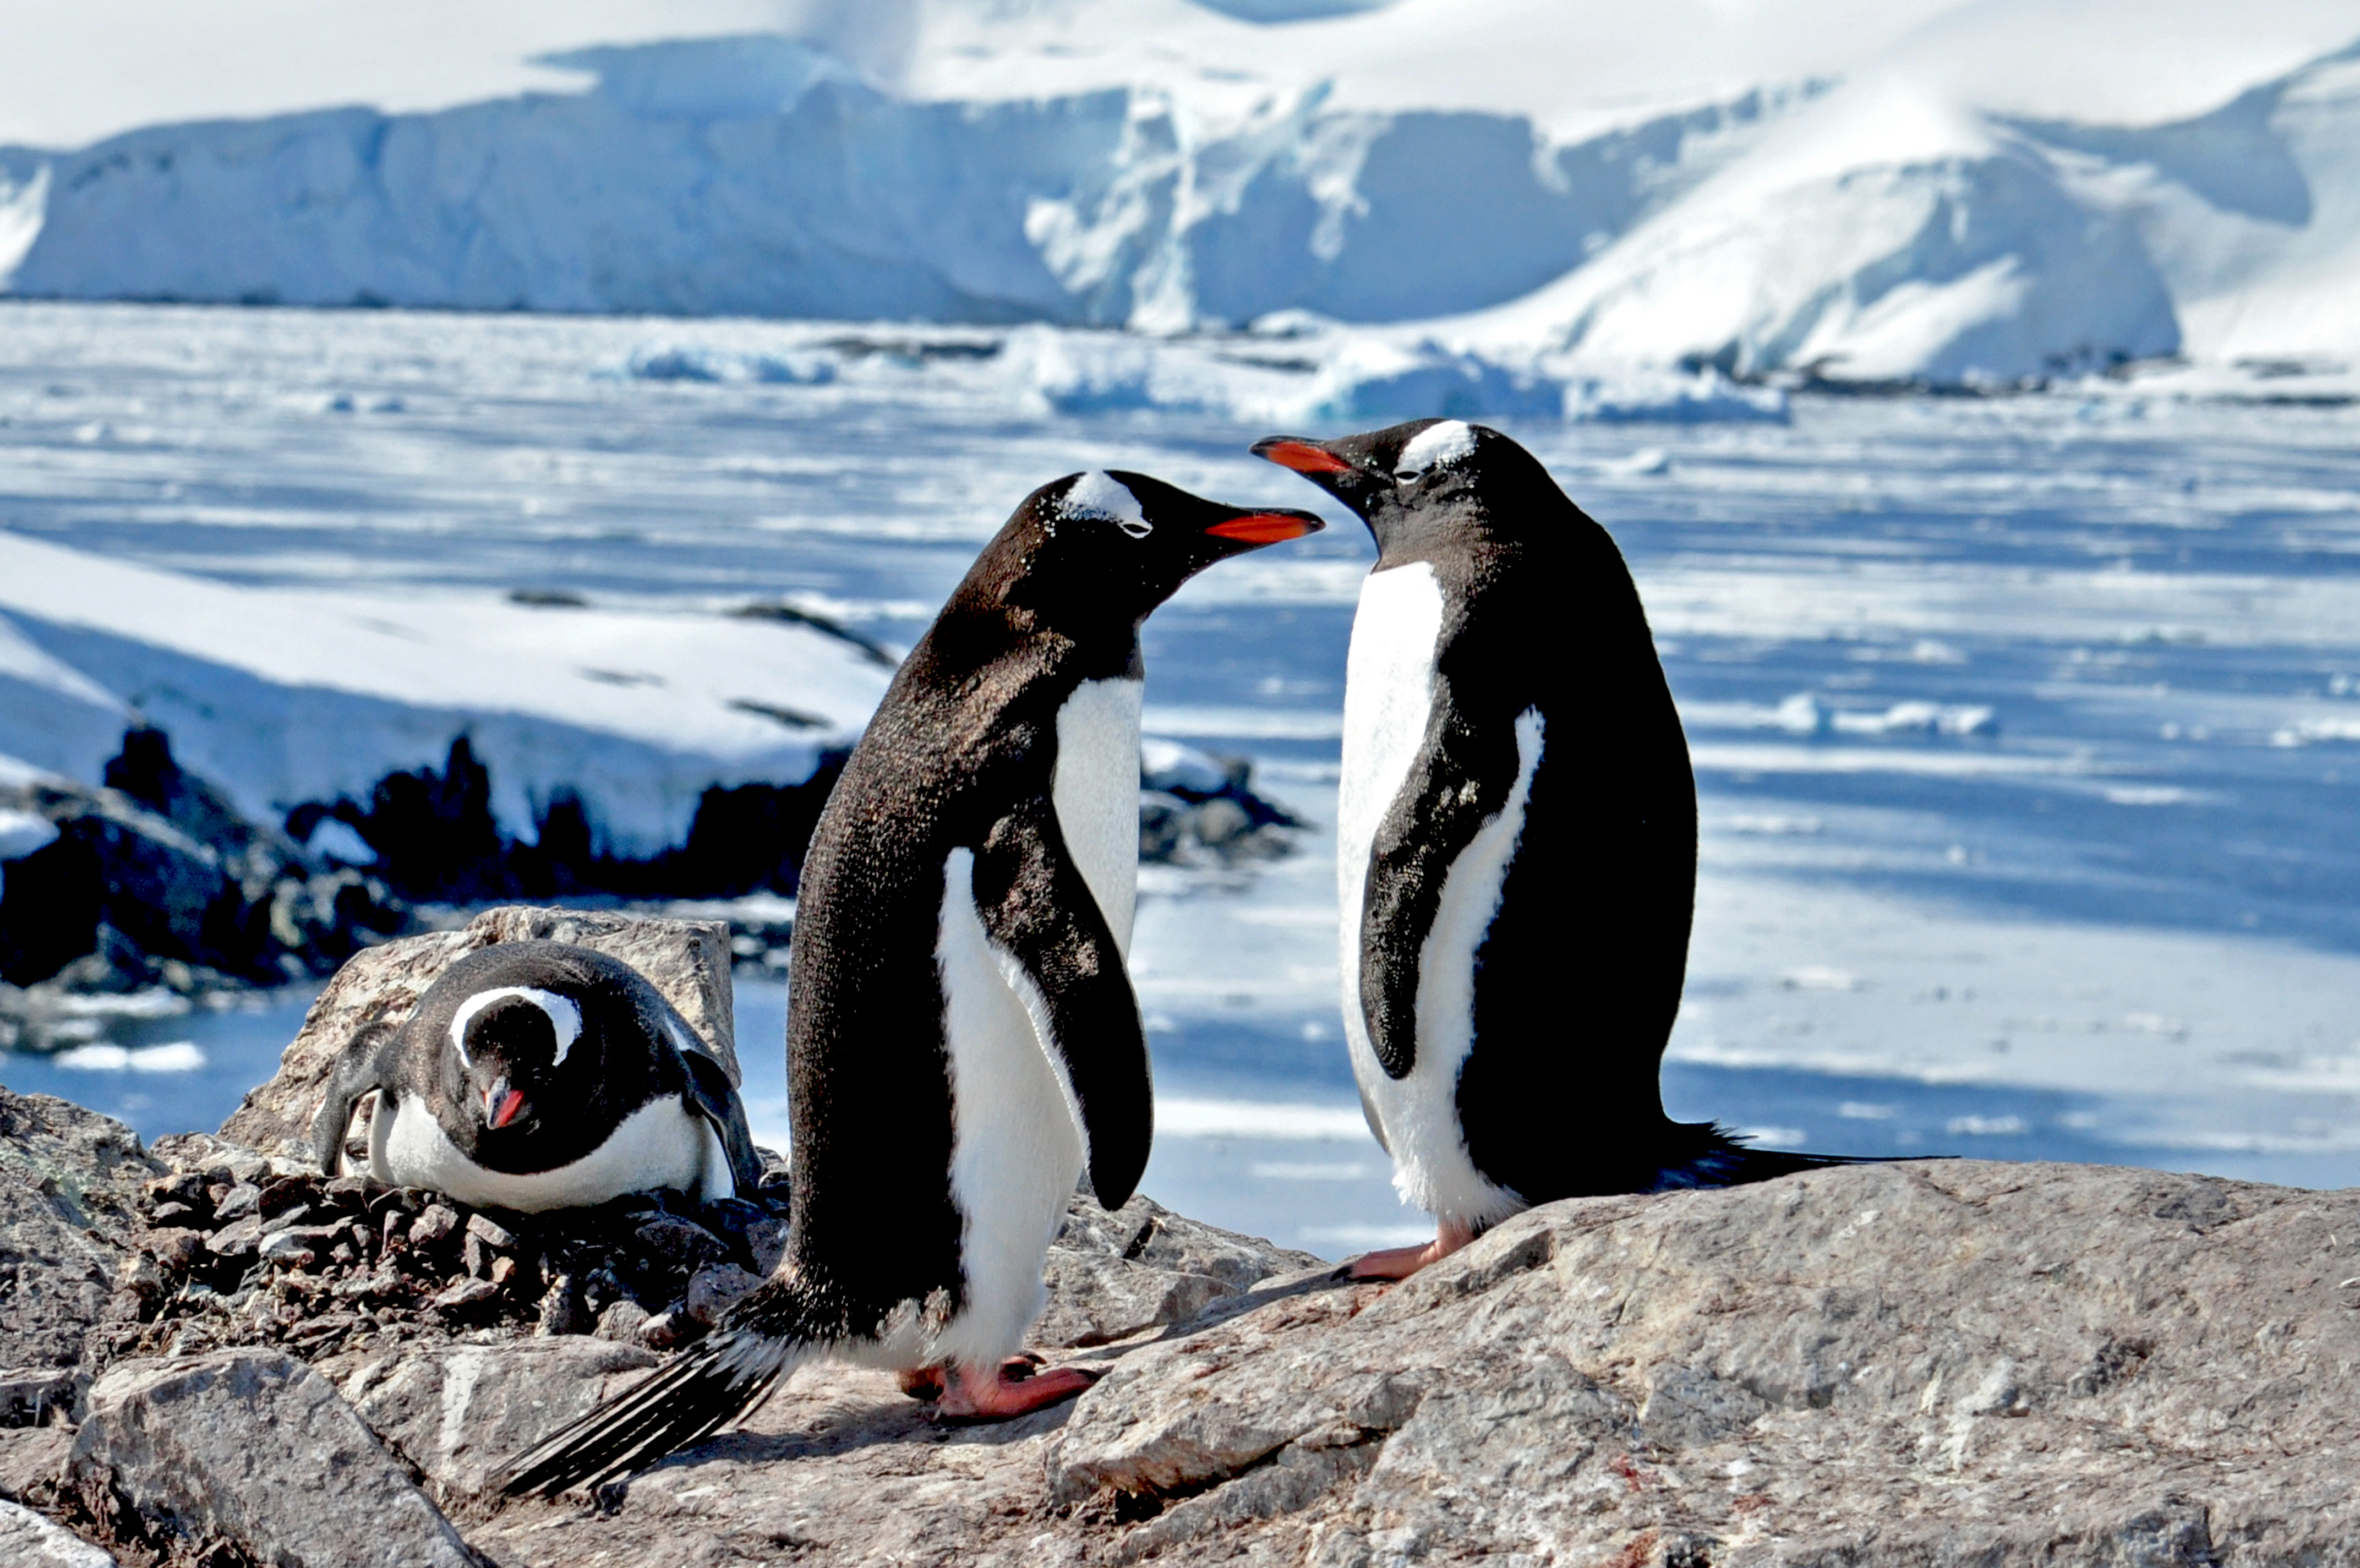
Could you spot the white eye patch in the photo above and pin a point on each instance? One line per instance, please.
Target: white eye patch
(1435, 447)
(1104, 499)
(564, 1017)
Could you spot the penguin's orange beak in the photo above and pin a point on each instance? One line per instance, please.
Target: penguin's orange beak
(1301, 456)
(1267, 528)
(501, 1104)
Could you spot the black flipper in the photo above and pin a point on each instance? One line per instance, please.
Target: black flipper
(717, 1100)
(1442, 805)
(359, 1068)
(1036, 907)
(684, 1401)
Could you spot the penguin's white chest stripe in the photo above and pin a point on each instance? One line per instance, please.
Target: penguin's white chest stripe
(1388, 699)
(1016, 1145)
(1420, 1111)
(1096, 793)
(661, 1144)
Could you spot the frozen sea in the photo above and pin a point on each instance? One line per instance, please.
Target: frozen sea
(2027, 729)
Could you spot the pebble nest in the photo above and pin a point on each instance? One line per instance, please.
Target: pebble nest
(245, 1249)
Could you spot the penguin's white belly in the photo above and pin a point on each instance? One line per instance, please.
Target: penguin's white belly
(1388, 703)
(1016, 1145)
(1096, 793)
(661, 1144)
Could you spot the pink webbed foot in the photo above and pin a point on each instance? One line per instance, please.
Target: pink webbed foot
(1017, 1386)
(926, 1382)
(1400, 1262)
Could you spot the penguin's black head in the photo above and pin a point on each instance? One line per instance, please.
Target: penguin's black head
(1116, 544)
(1409, 478)
(513, 1044)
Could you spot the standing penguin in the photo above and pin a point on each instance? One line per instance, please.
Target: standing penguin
(537, 1075)
(962, 1038)
(1515, 842)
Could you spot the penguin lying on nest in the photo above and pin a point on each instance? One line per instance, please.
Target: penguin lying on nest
(1516, 843)
(537, 1075)
(962, 1038)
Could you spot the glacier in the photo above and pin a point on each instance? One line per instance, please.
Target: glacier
(1878, 227)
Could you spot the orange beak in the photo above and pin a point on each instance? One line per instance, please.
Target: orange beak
(505, 1108)
(1265, 528)
(1302, 457)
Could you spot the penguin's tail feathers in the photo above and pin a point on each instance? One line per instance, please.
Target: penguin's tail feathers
(684, 1401)
(1720, 1159)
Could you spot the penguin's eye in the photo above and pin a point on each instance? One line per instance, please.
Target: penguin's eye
(1136, 527)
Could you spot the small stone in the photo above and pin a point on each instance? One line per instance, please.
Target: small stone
(621, 1321)
(295, 1215)
(187, 1187)
(287, 1248)
(665, 1330)
(348, 1190)
(435, 1225)
(178, 1250)
(502, 1271)
(165, 1215)
(236, 1240)
(678, 1242)
(466, 1293)
(240, 1201)
(713, 1291)
(476, 1257)
(490, 1233)
(395, 1234)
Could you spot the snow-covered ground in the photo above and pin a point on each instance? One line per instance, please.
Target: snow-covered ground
(2025, 728)
(1512, 193)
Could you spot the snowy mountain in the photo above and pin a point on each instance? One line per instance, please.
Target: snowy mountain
(1892, 206)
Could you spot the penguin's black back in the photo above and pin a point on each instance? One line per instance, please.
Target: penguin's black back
(967, 726)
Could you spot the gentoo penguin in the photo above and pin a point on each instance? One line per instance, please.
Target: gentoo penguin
(962, 1038)
(1517, 843)
(540, 1075)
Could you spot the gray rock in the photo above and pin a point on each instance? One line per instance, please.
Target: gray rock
(71, 1181)
(457, 1411)
(257, 1450)
(688, 961)
(28, 1540)
(1114, 1275)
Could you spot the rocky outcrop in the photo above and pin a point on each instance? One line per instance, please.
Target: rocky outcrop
(249, 1454)
(688, 960)
(69, 1186)
(155, 881)
(1950, 1363)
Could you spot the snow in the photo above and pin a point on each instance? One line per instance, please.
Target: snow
(1911, 193)
(285, 697)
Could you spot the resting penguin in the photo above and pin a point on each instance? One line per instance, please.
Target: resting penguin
(1517, 843)
(540, 1075)
(962, 1038)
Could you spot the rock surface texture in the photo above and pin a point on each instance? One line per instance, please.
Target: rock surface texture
(256, 1454)
(69, 1186)
(1955, 1363)
(688, 960)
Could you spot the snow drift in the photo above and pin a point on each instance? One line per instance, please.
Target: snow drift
(288, 697)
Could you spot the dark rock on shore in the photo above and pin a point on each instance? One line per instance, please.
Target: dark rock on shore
(155, 881)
